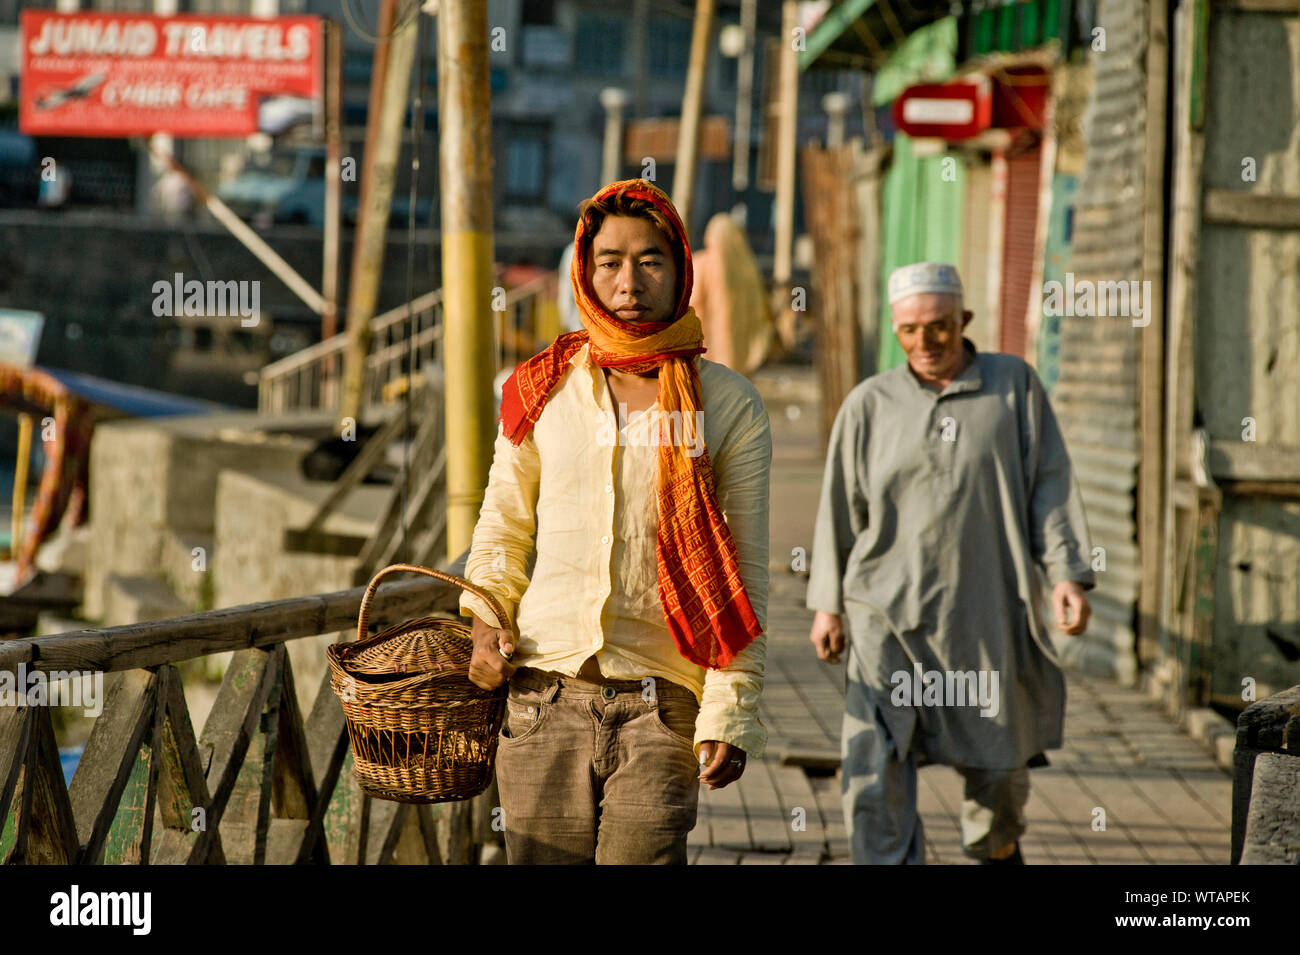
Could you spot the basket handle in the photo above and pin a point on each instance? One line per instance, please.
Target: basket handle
(461, 582)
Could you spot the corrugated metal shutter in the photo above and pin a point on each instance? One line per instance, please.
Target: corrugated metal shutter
(975, 254)
(1018, 248)
(1096, 395)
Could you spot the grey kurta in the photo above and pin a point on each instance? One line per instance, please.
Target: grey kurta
(935, 510)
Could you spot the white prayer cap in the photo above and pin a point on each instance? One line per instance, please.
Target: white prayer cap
(934, 277)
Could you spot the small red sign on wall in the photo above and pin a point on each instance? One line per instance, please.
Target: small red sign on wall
(945, 110)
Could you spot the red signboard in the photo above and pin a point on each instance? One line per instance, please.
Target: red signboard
(129, 74)
(946, 111)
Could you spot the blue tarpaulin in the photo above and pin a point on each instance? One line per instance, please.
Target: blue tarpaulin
(131, 399)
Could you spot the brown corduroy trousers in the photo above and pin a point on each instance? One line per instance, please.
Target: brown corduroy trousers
(602, 773)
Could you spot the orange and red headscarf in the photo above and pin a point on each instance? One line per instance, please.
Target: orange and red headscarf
(703, 597)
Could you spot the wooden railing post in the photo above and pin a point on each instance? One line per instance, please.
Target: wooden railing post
(260, 786)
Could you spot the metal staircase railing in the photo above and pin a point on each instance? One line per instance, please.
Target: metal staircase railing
(311, 379)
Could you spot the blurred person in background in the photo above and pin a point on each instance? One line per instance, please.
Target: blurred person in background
(730, 298)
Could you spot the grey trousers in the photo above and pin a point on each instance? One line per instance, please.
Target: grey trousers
(879, 788)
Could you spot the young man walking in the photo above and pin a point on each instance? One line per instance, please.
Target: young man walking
(639, 473)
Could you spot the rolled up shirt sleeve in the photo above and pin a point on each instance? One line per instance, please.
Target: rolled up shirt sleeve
(729, 705)
(503, 536)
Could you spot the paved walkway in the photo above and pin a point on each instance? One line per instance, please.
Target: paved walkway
(1160, 795)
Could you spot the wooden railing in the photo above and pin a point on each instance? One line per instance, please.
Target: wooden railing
(260, 785)
(311, 379)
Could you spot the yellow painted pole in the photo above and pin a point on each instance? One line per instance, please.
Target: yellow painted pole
(465, 154)
(20, 483)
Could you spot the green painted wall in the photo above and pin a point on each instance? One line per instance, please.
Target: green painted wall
(922, 211)
(928, 55)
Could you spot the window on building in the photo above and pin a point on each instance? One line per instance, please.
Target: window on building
(538, 13)
(9, 11)
(600, 45)
(668, 47)
(525, 163)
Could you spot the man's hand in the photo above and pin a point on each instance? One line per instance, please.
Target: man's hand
(827, 636)
(1072, 608)
(488, 669)
(720, 763)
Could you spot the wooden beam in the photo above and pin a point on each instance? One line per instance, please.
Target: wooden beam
(422, 512)
(1180, 320)
(182, 786)
(293, 790)
(1285, 7)
(260, 625)
(323, 542)
(326, 738)
(1151, 375)
(787, 132)
(1253, 209)
(249, 809)
(1289, 490)
(1206, 543)
(15, 731)
(276, 265)
(1249, 461)
(387, 819)
(688, 143)
(47, 834)
(427, 469)
(231, 726)
(429, 834)
(354, 474)
(109, 759)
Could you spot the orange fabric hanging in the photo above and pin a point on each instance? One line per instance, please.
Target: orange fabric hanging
(705, 604)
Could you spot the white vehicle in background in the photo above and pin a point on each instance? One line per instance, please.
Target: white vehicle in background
(286, 185)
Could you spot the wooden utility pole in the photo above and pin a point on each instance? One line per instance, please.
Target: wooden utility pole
(638, 39)
(744, 98)
(394, 53)
(688, 138)
(614, 100)
(465, 155)
(1151, 376)
(333, 186)
(788, 94)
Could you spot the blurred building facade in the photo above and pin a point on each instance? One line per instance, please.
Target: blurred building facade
(550, 61)
(1162, 164)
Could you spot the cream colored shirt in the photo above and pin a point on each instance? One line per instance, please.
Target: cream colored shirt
(586, 491)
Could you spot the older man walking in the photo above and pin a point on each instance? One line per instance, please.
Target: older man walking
(947, 484)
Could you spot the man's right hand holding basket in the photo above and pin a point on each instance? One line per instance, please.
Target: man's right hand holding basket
(489, 666)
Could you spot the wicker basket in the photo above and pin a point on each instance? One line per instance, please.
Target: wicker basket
(421, 732)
